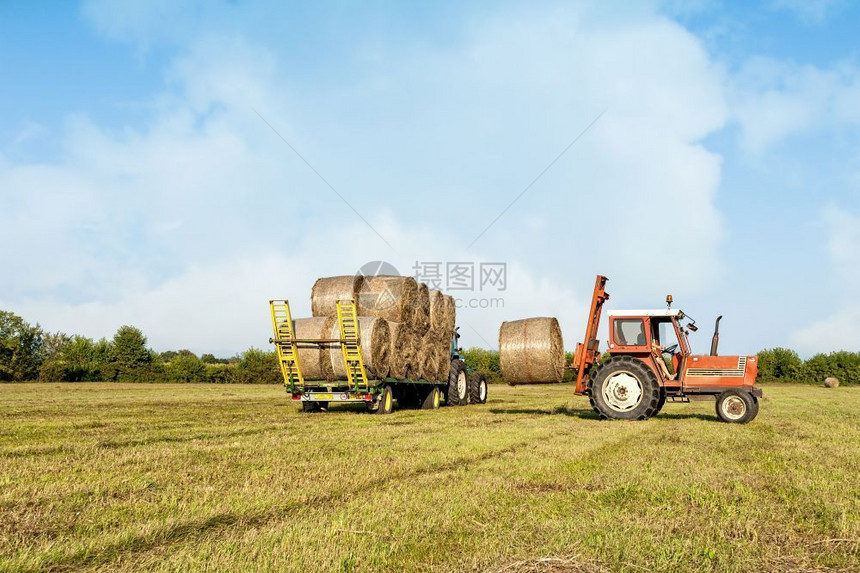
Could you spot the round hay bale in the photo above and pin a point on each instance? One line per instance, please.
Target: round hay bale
(314, 360)
(401, 346)
(450, 314)
(831, 382)
(421, 310)
(531, 350)
(375, 348)
(437, 308)
(413, 350)
(428, 357)
(388, 297)
(328, 290)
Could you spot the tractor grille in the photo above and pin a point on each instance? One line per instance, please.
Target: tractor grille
(721, 372)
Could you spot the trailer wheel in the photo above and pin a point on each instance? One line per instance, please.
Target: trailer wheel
(624, 388)
(386, 400)
(477, 388)
(458, 384)
(736, 407)
(432, 400)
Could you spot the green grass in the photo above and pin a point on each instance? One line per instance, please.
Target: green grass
(170, 477)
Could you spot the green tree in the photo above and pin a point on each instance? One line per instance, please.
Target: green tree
(780, 364)
(21, 348)
(186, 368)
(129, 356)
(168, 355)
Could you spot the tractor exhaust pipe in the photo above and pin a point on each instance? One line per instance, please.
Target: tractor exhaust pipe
(715, 341)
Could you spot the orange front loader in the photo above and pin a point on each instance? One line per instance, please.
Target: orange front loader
(650, 362)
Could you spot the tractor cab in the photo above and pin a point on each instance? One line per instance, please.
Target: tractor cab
(655, 336)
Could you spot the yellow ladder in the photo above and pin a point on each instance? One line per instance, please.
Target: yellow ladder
(350, 345)
(285, 343)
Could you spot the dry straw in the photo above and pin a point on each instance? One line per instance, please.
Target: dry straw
(401, 349)
(388, 297)
(421, 310)
(531, 350)
(428, 356)
(831, 382)
(375, 348)
(314, 359)
(328, 290)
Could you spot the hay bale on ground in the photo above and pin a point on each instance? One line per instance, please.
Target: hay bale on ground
(531, 350)
(421, 310)
(375, 348)
(831, 382)
(401, 347)
(328, 290)
(388, 297)
(314, 360)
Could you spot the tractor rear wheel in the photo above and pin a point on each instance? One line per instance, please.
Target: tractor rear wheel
(624, 388)
(736, 407)
(477, 388)
(458, 384)
(662, 401)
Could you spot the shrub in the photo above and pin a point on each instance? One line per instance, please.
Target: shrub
(487, 361)
(258, 367)
(779, 364)
(185, 368)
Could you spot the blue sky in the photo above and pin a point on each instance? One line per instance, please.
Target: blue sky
(139, 184)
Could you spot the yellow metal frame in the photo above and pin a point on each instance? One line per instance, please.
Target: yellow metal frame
(285, 344)
(350, 344)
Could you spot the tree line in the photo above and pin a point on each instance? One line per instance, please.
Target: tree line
(28, 353)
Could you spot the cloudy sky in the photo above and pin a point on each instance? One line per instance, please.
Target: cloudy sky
(176, 164)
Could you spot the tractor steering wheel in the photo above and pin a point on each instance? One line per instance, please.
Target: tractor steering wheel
(670, 349)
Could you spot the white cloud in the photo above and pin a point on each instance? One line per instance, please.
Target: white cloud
(839, 330)
(186, 228)
(773, 100)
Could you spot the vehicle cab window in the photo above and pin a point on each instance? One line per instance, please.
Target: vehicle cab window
(629, 332)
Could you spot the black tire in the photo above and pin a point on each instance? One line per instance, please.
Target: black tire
(477, 388)
(458, 384)
(310, 407)
(624, 388)
(433, 399)
(736, 407)
(661, 402)
(386, 400)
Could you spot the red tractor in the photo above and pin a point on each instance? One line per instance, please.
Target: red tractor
(650, 362)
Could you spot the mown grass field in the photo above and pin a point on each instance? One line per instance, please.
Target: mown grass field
(169, 477)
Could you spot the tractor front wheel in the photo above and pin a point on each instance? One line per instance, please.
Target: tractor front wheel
(736, 407)
(624, 388)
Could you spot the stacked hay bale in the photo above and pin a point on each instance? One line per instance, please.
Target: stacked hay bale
(405, 327)
(401, 346)
(531, 351)
(315, 361)
(375, 348)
